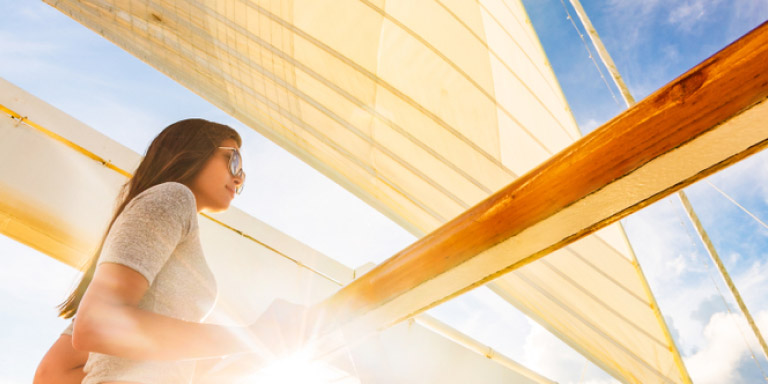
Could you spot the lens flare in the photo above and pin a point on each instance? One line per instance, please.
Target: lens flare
(299, 368)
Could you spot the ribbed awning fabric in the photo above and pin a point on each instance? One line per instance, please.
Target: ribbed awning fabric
(420, 107)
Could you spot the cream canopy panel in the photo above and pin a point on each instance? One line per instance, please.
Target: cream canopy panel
(420, 107)
(36, 206)
(63, 198)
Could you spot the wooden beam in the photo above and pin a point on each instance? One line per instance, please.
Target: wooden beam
(710, 117)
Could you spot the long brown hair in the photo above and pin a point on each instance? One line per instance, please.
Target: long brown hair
(177, 154)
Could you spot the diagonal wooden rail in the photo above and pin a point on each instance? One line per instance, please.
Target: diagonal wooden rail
(710, 117)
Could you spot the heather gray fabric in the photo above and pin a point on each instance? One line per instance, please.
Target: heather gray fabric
(157, 235)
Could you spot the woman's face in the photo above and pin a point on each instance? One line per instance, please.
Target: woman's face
(214, 187)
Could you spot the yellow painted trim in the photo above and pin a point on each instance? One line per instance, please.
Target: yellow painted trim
(251, 238)
(59, 138)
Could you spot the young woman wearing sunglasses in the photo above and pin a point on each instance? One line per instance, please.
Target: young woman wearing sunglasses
(141, 300)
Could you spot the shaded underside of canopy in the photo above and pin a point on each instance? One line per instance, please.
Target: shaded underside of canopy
(421, 108)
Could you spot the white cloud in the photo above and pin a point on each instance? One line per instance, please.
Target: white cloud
(707, 308)
(686, 15)
(678, 265)
(753, 286)
(548, 355)
(632, 7)
(544, 353)
(660, 232)
(685, 282)
(724, 350)
(633, 16)
(747, 14)
(676, 268)
(671, 53)
(486, 317)
(14, 46)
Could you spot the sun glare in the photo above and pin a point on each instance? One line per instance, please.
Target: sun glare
(300, 369)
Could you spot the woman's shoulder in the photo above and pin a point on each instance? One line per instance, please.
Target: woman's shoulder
(171, 189)
(168, 194)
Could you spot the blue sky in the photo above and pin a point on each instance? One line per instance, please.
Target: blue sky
(651, 41)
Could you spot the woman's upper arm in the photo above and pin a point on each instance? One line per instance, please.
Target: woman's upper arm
(138, 245)
(106, 306)
(116, 284)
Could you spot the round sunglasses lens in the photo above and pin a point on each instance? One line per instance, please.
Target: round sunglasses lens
(234, 163)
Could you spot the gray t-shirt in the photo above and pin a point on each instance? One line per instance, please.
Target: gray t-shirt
(157, 235)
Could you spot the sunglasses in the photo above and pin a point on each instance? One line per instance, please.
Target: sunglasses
(236, 167)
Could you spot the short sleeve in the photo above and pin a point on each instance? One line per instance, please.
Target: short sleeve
(150, 227)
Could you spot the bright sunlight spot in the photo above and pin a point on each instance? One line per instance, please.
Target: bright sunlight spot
(300, 369)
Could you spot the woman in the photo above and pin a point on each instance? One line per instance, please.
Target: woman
(141, 301)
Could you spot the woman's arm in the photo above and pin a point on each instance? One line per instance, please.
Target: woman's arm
(140, 242)
(110, 322)
(62, 364)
